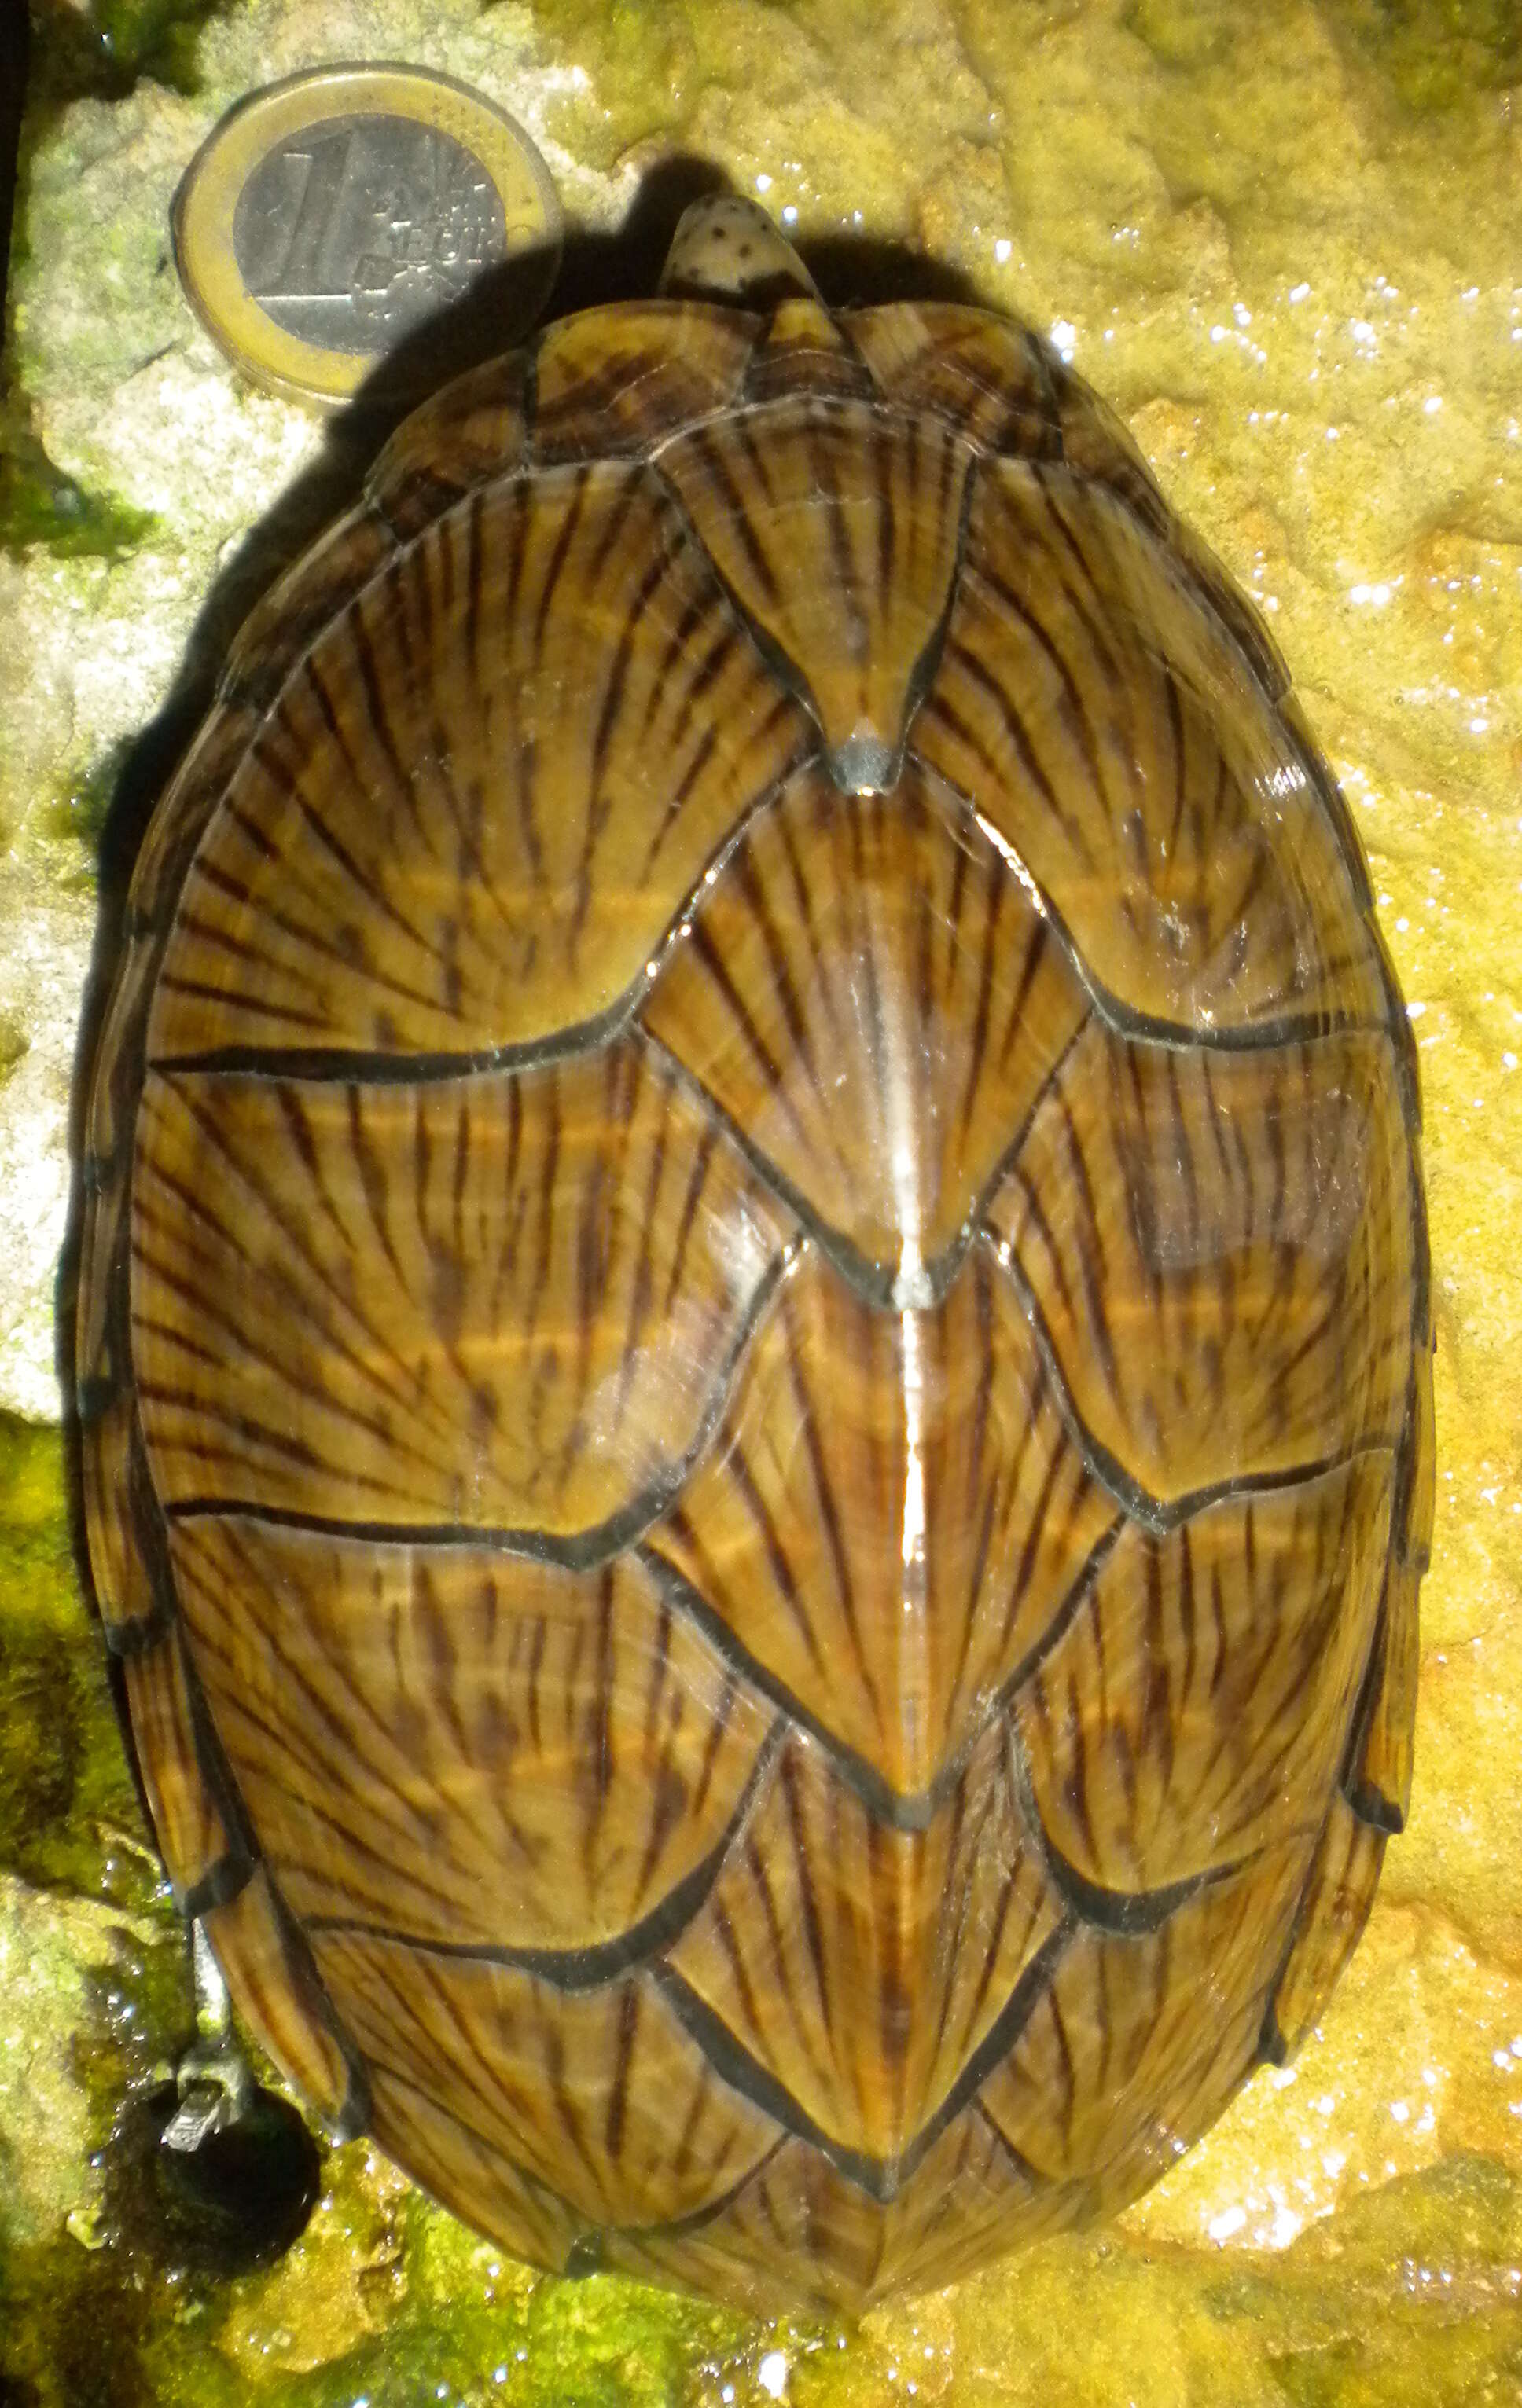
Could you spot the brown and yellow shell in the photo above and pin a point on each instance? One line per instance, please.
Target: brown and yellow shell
(754, 1347)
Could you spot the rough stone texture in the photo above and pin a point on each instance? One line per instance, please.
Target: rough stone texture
(48, 925)
(1280, 236)
(60, 1958)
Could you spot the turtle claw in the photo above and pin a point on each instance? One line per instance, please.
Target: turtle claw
(216, 2091)
(214, 2080)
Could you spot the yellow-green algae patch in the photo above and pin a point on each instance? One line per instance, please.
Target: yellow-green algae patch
(104, 46)
(40, 505)
(69, 1816)
(1376, 2310)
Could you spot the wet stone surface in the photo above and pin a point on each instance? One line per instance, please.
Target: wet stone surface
(1281, 237)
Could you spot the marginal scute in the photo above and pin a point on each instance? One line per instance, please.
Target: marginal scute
(805, 349)
(102, 1359)
(501, 1303)
(868, 993)
(1334, 806)
(798, 2230)
(1139, 2040)
(1219, 1247)
(1338, 1892)
(625, 380)
(193, 1832)
(113, 1104)
(891, 1515)
(488, 790)
(461, 1746)
(278, 634)
(471, 432)
(859, 1964)
(1419, 1465)
(281, 2000)
(1094, 712)
(600, 2093)
(835, 524)
(119, 1498)
(1096, 444)
(176, 829)
(1193, 1711)
(441, 2151)
(988, 377)
(1378, 1778)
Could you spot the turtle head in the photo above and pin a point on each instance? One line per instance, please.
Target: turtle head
(727, 249)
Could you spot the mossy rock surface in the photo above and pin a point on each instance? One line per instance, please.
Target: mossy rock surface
(1281, 237)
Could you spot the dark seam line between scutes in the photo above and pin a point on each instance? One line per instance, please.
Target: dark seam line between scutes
(879, 2178)
(1125, 1020)
(1370, 1807)
(1023, 2165)
(1001, 2035)
(359, 1065)
(1157, 1514)
(226, 1879)
(1272, 2047)
(1369, 1804)
(220, 1779)
(874, 1283)
(782, 666)
(742, 2073)
(341, 1066)
(1123, 1913)
(583, 1550)
(141, 1633)
(354, 2115)
(899, 1810)
(922, 674)
(601, 1961)
(243, 1858)
(678, 2228)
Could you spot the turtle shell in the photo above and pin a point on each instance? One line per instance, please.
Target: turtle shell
(755, 1345)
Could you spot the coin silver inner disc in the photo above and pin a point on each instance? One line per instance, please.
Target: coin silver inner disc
(353, 230)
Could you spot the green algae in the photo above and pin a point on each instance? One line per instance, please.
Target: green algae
(110, 2327)
(69, 1816)
(1096, 2323)
(1408, 2296)
(604, 2345)
(99, 51)
(40, 503)
(82, 810)
(72, 2326)
(644, 71)
(1435, 54)
(1438, 54)
(95, 51)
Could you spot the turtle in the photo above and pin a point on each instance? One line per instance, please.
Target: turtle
(754, 1332)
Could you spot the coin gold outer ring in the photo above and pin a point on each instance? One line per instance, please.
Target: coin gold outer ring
(204, 207)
